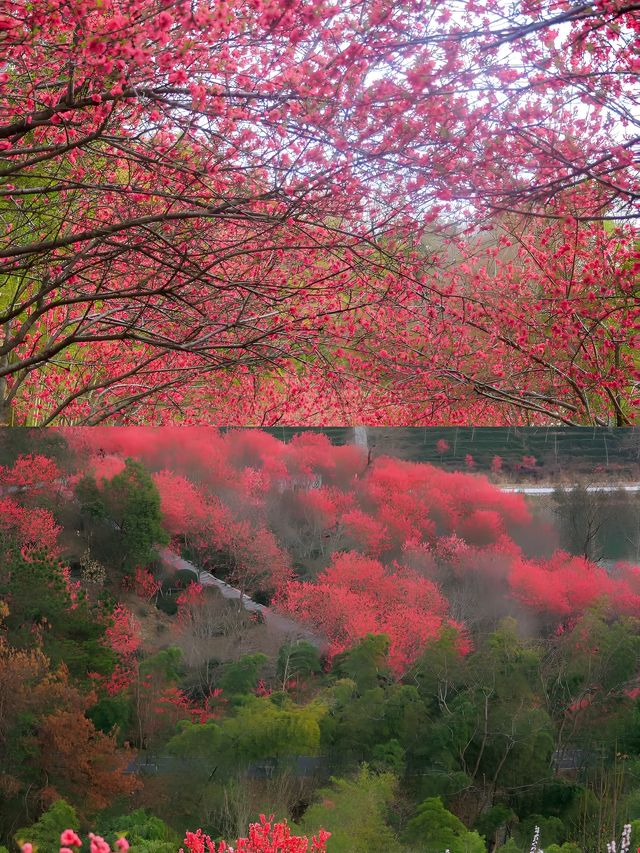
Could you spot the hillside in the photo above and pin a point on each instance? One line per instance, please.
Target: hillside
(198, 631)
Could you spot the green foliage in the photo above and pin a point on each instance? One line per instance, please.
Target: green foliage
(72, 635)
(584, 818)
(512, 846)
(552, 830)
(45, 832)
(379, 725)
(36, 589)
(90, 497)
(446, 784)
(240, 677)
(365, 662)
(555, 797)
(493, 819)
(82, 653)
(600, 651)
(389, 756)
(143, 831)
(434, 829)
(492, 715)
(111, 713)
(632, 804)
(355, 811)
(197, 739)
(438, 667)
(259, 729)
(298, 659)
(130, 500)
(567, 847)
(167, 663)
(356, 725)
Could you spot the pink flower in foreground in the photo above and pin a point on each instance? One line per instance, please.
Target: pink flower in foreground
(264, 837)
(98, 844)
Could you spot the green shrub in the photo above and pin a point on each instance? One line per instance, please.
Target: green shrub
(168, 604)
(45, 832)
(144, 832)
(109, 713)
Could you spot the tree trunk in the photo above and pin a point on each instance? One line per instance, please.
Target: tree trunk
(5, 408)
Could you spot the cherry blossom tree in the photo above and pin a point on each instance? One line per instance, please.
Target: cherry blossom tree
(146, 585)
(27, 528)
(32, 473)
(355, 596)
(248, 552)
(193, 194)
(540, 323)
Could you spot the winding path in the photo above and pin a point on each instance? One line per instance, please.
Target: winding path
(292, 629)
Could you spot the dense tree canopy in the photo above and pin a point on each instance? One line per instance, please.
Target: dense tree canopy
(445, 674)
(130, 502)
(352, 546)
(223, 208)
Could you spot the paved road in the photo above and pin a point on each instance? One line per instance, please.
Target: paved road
(524, 489)
(549, 490)
(293, 629)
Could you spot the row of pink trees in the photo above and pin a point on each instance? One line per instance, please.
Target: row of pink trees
(382, 546)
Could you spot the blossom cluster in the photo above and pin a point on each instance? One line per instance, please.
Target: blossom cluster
(264, 837)
(70, 839)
